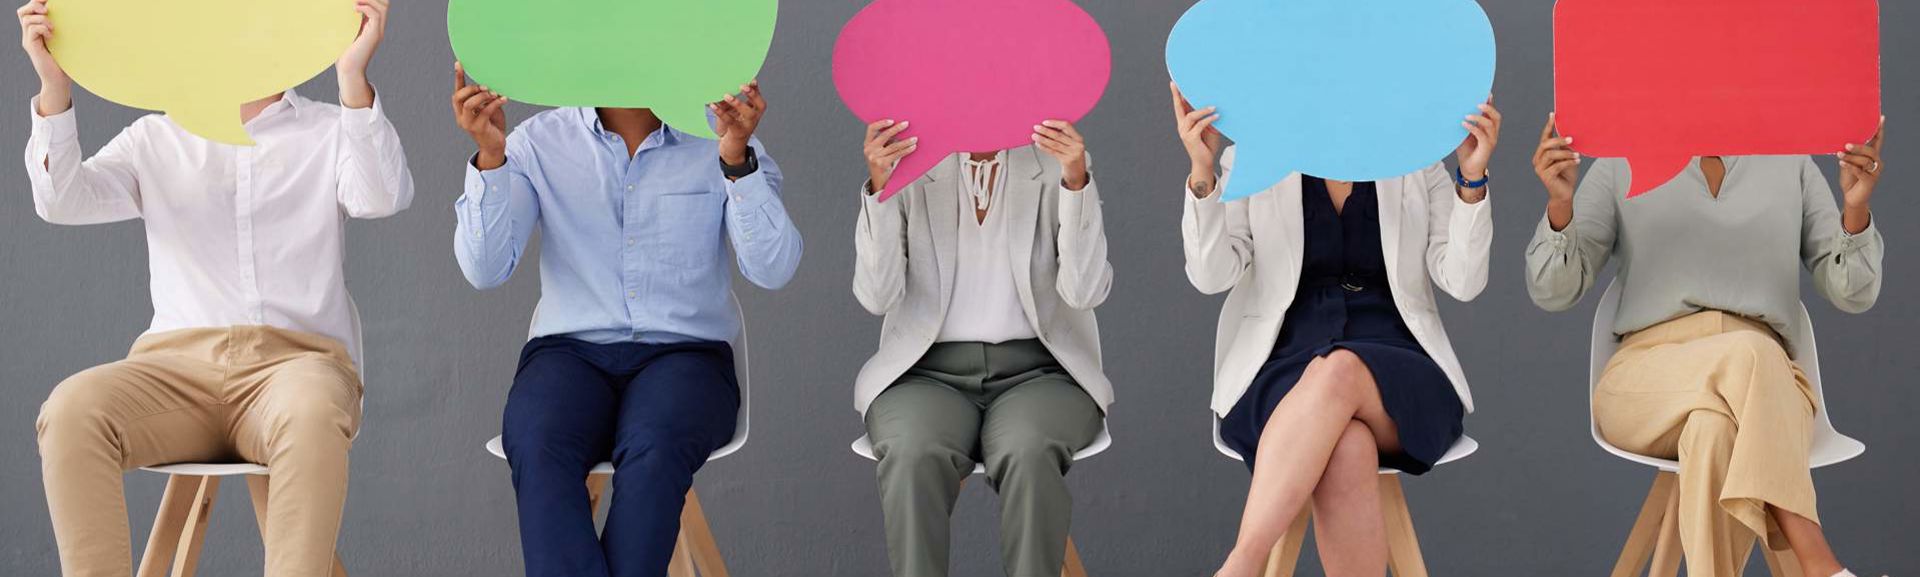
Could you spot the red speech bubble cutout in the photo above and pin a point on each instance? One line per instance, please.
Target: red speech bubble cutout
(973, 76)
(1659, 82)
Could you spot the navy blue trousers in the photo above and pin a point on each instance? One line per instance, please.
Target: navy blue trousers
(654, 411)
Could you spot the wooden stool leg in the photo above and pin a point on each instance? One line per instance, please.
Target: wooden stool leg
(1646, 528)
(257, 489)
(163, 542)
(1073, 567)
(1667, 552)
(194, 533)
(1403, 545)
(1285, 557)
(681, 565)
(697, 536)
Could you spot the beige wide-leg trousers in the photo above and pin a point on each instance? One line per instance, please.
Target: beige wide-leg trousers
(282, 398)
(1717, 392)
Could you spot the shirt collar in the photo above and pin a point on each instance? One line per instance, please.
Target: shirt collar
(661, 137)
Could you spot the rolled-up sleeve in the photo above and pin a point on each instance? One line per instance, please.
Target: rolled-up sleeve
(1562, 265)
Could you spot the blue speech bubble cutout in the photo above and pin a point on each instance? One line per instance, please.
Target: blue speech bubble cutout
(1340, 89)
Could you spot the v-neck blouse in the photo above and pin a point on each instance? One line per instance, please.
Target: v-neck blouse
(1683, 250)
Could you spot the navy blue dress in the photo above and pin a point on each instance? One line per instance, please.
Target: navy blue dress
(1344, 302)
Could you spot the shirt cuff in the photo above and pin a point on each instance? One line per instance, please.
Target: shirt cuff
(1556, 240)
(363, 121)
(751, 190)
(59, 128)
(486, 186)
(1850, 242)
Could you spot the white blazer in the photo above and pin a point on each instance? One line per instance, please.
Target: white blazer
(1254, 246)
(905, 268)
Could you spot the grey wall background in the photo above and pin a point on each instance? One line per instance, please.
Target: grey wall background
(1538, 499)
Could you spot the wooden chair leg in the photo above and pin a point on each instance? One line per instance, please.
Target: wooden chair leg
(1646, 528)
(163, 542)
(696, 535)
(257, 489)
(681, 565)
(1285, 557)
(1073, 567)
(1667, 551)
(193, 534)
(1403, 544)
(596, 486)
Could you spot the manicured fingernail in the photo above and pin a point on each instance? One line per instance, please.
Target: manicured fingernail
(1849, 147)
(905, 124)
(915, 140)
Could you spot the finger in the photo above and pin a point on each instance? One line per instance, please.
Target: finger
(899, 148)
(873, 128)
(1055, 140)
(888, 134)
(38, 35)
(460, 96)
(1483, 121)
(1863, 150)
(1879, 136)
(1477, 132)
(1048, 147)
(1491, 112)
(1066, 127)
(1205, 125)
(1559, 155)
(495, 106)
(473, 104)
(36, 19)
(1180, 105)
(1860, 161)
(754, 96)
(1547, 132)
(1195, 116)
(1560, 168)
(459, 76)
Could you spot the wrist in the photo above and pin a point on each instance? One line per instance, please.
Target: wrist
(53, 100)
(489, 159)
(732, 151)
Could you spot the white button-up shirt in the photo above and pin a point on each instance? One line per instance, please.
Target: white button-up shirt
(235, 235)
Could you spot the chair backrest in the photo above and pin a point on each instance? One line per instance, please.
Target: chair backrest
(1829, 446)
(740, 368)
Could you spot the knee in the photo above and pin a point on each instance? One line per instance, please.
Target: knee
(911, 456)
(1757, 350)
(314, 421)
(77, 405)
(1339, 375)
(1706, 431)
(659, 453)
(1356, 456)
(1027, 456)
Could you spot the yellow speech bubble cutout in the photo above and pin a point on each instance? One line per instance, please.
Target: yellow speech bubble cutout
(198, 60)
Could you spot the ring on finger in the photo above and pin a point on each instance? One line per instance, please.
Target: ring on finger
(1875, 169)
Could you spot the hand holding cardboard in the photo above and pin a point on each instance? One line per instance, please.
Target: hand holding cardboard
(972, 76)
(673, 56)
(198, 61)
(1659, 82)
(1354, 91)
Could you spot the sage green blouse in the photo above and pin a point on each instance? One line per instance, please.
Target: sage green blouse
(1682, 250)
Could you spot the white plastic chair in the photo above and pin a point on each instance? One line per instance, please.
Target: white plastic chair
(1403, 545)
(1654, 543)
(696, 552)
(863, 446)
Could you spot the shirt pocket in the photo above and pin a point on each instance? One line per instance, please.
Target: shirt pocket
(686, 229)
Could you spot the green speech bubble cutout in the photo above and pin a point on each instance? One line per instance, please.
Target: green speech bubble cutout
(673, 56)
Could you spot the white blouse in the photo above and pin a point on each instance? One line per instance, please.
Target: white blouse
(986, 302)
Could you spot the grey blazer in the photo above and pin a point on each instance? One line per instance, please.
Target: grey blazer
(905, 268)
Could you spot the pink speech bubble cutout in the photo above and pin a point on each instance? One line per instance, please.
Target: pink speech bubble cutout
(972, 76)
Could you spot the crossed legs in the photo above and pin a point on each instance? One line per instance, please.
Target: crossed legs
(1321, 446)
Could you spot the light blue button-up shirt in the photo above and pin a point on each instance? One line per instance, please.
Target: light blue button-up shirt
(632, 249)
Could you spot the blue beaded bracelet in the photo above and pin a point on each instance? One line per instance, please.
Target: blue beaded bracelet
(1461, 179)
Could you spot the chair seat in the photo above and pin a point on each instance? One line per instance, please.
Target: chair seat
(863, 446)
(1826, 451)
(606, 468)
(208, 469)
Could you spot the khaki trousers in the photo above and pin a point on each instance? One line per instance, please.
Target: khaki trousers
(282, 398)
(1717, 392)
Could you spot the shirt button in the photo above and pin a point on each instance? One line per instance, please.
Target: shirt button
(629, 242)
(632, 294)
(629, 187)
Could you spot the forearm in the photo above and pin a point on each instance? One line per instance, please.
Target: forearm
(1855, 218)
(355, 90)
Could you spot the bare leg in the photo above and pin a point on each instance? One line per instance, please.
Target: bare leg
(1809, 543)
(1348, 526)
(1296, 445)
